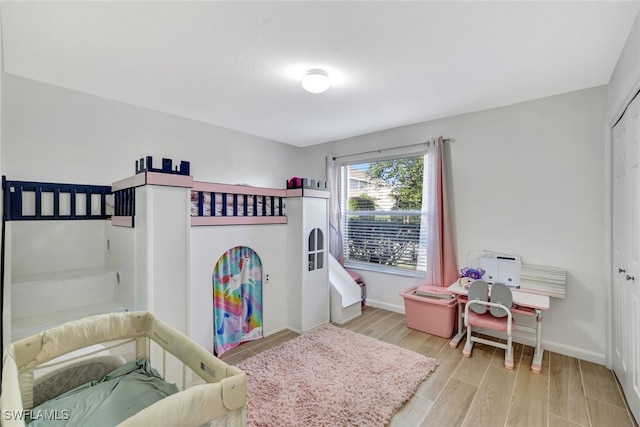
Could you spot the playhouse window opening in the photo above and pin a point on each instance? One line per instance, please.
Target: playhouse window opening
(382, 213)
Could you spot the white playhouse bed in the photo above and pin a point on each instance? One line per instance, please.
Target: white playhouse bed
(42, 367)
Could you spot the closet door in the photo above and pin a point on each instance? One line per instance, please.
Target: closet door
(620, 310)
(626, 256)
(632, 278)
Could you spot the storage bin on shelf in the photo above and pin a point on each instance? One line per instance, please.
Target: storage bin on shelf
(430, 309)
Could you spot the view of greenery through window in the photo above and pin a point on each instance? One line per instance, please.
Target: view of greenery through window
(382, 220)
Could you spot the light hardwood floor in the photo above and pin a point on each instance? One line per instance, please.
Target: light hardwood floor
(479, 391)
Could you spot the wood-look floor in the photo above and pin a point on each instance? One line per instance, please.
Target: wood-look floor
(479, 391)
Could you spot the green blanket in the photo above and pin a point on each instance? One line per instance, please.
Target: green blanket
(119, 395)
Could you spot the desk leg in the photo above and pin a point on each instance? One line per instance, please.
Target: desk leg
(536, 366)
(461, 329)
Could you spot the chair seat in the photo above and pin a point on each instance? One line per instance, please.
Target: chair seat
(488, 321)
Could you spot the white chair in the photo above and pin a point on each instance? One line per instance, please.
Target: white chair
(498, 317)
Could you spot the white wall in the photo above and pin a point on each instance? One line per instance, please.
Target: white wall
(58, 135)
(269, 242)
(527, 180)
(6, 294)
(625, 80)
(122, 255)
(75, 244)
(168, 249)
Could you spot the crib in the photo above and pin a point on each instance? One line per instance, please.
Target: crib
(43, 366)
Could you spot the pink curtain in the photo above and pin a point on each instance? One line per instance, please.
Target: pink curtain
(436, 240)
(335, 227)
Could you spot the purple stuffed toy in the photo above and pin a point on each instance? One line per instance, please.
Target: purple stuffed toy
(472, 273)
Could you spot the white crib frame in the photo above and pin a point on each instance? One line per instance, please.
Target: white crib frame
(220, 400)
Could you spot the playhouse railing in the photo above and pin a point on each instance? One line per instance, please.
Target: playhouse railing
(224, 204)
(26, 201)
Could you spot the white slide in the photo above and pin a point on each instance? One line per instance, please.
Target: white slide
(343, 283)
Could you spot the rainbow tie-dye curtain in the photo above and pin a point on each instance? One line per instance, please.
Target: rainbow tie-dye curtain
(237, 298)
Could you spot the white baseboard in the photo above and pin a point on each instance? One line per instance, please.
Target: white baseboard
(524, 338)
(385, 306)
(348, 319)
(275, 331)
(578, 353)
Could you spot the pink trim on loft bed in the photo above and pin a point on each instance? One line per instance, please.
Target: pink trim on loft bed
(122, 221)
(153, 178)
(168, 179)
(132, 181)
(237, 220)
(237, 189)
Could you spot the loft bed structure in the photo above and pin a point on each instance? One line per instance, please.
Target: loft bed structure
(41, 265)
(24, 200)
(211, 203)
(161, 198)
(151, 241)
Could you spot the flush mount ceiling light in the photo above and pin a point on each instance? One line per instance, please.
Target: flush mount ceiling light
(316, 81)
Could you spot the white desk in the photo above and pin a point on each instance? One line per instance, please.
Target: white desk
(523, 303)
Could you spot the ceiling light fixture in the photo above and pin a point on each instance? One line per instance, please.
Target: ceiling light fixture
(316, 81)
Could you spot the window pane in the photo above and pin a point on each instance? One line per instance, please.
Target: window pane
(382, 220)
(312, 240)
(391, 240)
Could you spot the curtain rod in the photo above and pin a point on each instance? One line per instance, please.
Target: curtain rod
(388, 149)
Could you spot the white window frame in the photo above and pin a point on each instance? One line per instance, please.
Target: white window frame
(344, 188)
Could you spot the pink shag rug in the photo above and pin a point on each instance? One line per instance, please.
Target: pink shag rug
(331, 377)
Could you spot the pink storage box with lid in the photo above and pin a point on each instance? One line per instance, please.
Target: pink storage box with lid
(435, 314)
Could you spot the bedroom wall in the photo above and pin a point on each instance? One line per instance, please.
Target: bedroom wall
(625, 80)
(58, 135)
(6, 295)
(526, 180)
(533, 172)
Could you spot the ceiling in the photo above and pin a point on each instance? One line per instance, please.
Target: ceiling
(238, 64)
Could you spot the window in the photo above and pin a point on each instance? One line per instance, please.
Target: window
(316, 249)
(381, 214)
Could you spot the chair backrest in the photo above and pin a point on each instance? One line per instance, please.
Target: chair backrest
(500, 294)
(479, 289)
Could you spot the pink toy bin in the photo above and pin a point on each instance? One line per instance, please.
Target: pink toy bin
(433, 315)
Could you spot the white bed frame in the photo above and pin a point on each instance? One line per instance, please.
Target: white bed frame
(211, 392)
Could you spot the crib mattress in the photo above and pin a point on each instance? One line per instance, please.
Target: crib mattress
(118, 396)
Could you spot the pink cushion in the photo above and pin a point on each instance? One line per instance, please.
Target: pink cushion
(355, 276)
(486, 320)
